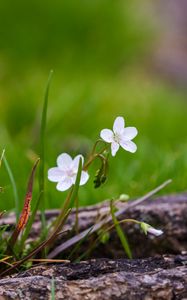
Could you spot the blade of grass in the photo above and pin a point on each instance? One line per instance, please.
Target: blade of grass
(26, 209)
(76, 248)
(14, 187)
(97, 226)
(52, 288)
(42, 152)
(97, 240)
(49, 261)
(71, 198)
(69, 201)
(39, 248)
(120, 232)
(1, 158)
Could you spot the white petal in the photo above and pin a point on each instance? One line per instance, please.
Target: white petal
(119, 125)
(75, 163)
(84, 177)
(154, 231)
(129, 133)
(128, 146)
(64, 185)
(107, 135)
(114, 148)
(55, 174)
(64, 161)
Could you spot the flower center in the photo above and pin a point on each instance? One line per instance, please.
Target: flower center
(117, 137)
(70, 173)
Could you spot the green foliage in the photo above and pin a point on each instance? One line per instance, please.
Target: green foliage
(97, 50)
(120, 232)
(101, 34)
(14, 187)
(42, 152)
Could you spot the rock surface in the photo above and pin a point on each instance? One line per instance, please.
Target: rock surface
(148, 276)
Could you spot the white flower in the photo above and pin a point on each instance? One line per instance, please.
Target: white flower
(66, 172)
(120, 136)
(154, 231)
(149, 229)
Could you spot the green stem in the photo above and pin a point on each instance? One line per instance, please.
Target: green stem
(120, 232)
(77, 215)
(94, 244)
(95, 145)
(42, 153)
(71, 198)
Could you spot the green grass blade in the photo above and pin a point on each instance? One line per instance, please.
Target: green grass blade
(39, 248)
(120, 232)
(1, 158)
(75, 239)
(77, 184)
(69, 202)
(42, 150)
(77, 247)
(13, 183)
(52, 289)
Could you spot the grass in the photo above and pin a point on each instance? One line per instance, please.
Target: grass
(98, 52)
(79, 110)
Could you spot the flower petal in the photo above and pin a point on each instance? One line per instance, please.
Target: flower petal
(64, 161)
(129, 133)
(75, 162)
(84, 177)
(107, 135)
(114, 148)
(55, 174)
(64, 185)
(154, 231)
(128, 146)
(119, 125)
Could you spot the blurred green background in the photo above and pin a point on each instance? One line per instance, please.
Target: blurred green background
(101, 54)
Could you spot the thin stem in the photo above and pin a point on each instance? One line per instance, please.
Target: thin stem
(77, 215)
(93, 155)
(101, 234)
(42, 151)
(71, 198)
(2, 155)
(92, 158)
(97, 226)
(95, 145)
(120, 232)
